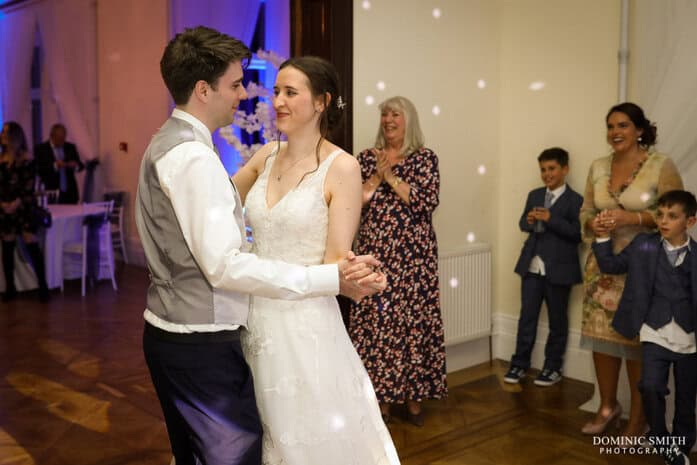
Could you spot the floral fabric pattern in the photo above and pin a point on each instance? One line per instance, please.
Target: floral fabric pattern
(602, 292)
(17, 182)
(399, 332)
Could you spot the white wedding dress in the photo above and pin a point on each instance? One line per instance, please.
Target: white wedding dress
(315, 399)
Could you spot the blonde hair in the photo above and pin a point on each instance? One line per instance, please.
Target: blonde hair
(413, 137)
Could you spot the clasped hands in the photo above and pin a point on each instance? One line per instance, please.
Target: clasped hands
(607, 220)
(538, 214)
(360, 276)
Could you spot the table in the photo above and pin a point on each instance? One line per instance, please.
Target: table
(66, 227)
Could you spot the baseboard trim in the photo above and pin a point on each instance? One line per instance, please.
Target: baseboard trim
(578, 362)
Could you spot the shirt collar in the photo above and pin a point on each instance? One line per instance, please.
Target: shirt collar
(558, 191)
(195, 122)
(668, 246)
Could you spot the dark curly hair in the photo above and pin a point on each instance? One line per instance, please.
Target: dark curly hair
(636, 114)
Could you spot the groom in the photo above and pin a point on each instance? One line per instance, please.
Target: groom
(189, 218)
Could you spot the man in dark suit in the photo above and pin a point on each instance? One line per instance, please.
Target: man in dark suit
(56, 162)
(659, 304)
(548, 265)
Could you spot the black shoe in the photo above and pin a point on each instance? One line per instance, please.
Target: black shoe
(416, 419)
(548, 377)
(674, 456)
(44, 295)
(514, 375)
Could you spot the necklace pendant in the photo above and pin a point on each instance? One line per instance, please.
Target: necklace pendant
(278, 178)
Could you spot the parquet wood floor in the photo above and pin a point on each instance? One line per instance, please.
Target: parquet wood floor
(74, 390)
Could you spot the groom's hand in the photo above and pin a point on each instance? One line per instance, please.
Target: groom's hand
(358, 277)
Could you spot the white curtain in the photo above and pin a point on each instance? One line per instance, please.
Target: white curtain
(17, 34)
(67, 30)
(663, 74)
(236, 19)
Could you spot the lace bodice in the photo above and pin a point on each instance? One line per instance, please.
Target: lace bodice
(294, 230)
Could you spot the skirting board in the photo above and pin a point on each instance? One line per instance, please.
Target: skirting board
(578, 363)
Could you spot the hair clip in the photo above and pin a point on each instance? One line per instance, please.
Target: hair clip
(340, 103)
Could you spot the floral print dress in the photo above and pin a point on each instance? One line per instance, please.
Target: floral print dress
(399, 332)
(602, 292)
(17, 182)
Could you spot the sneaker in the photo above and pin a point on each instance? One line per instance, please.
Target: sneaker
(548, 377)
(674, 456)
(514, 375)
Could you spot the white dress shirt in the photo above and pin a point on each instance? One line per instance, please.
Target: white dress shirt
(537, 265)
(193, 178)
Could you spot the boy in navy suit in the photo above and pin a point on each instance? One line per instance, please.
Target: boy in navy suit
(659, 304)
(549, 266)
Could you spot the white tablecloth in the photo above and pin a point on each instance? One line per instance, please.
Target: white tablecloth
(66, 227)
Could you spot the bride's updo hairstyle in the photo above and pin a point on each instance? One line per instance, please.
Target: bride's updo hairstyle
(323, 81)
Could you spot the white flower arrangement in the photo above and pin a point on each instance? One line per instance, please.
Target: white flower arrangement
(262, 120)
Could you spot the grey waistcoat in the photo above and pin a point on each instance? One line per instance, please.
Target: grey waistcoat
(178, 293)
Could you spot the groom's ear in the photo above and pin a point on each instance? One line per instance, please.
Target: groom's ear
(201, 90)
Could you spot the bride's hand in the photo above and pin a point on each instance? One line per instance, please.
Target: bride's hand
(358, 278)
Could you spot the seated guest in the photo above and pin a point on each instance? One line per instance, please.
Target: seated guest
(56, 163)
(658, 305)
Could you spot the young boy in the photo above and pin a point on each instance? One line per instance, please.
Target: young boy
(549, 266)
(658, 304)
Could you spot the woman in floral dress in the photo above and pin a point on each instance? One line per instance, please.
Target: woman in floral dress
(399, 332)
(624, 186)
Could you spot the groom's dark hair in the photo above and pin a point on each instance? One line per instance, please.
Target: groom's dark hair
(199, 54)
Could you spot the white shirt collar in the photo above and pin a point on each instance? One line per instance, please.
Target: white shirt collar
(195, 122)
(558, 191)
(668, 246)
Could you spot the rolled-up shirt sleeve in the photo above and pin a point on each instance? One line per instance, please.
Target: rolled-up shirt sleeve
(198, 186)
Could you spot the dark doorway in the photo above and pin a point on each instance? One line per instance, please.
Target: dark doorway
(325, 28)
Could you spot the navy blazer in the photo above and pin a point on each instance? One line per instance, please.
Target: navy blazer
(640, 261)
(45, 159)
(559, 242)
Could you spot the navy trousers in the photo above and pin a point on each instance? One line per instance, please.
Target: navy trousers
(534, 289)
(653, 385)
(207, 397)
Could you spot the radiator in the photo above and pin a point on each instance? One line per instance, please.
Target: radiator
(465, 293)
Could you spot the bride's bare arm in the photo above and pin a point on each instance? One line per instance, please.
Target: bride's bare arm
(343, 193)
(247, 175)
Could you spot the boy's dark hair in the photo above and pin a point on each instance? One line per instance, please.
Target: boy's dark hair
(679, 197)
(557, 154)
(199, 54)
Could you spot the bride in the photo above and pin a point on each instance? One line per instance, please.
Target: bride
(303, 201)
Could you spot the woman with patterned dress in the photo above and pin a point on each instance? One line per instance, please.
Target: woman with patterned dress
(17, 208)
(621, 193)
(302, 197)
(399, 332)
